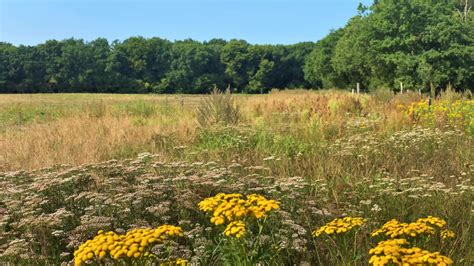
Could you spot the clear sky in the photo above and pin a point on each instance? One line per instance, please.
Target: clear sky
(258, 21)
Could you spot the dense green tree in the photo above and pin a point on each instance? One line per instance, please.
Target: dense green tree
(129, 64)
(420, 43)
(28, 69)
(411, 41)
(263, 77)
(415, 42)
(98, 78)
(7, 53)
(239, 62)
(352, 57)
(74, 63)
(318, 68)
(194, 68)
(261, 69)
(289, 73)
(52, 64)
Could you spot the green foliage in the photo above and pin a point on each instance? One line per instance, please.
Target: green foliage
(263, 76)
(423, 44)
(318, 69)
(419, 43)
(238, 61)
(141, 65)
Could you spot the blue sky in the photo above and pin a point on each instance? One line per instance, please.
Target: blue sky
(258, 21)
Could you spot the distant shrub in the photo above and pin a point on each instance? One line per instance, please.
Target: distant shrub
(218, 108)
(450, 95)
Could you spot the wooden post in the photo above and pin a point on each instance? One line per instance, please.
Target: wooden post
(419, 92)
(352, 91)
(358, 87)
(401, 87)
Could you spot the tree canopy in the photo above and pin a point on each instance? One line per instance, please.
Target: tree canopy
(420, 43)
(140, 65)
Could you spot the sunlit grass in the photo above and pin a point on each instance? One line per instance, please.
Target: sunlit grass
(338, 164)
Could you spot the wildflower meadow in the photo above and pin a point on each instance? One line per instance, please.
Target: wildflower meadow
(288, 178)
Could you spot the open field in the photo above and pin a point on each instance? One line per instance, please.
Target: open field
(66, 172)
(42, 130)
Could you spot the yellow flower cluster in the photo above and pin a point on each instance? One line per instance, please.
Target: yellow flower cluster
(234, 208)
(436, 221)
(453, 111)
(258, 205)
(235, 228)
(339, 226)
(387, 252)
(392, 252)
(131, 245)
(395, 229)
(447, 234)
(177, 262)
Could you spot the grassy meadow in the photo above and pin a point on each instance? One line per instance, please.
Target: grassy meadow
(286, 178)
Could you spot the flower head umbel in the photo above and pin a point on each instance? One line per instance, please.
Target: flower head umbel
(432, 220)
(177, 262)
(393, 252)
(259, 205)
(422, 226)
(339, 226)
(235, 229)
(133, 244)
(233, 209)
(447, 234)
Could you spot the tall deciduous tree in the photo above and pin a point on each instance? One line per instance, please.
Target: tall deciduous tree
(239, 62)
(318, 69)
(421, 43)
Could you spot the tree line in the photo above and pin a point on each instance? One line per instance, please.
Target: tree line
(420, 43)
(143, 65)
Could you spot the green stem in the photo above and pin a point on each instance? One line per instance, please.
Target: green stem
(217, 247)
(257, 239)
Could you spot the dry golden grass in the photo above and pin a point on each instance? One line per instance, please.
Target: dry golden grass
(82, 139)
(298, 127)
(78, 129)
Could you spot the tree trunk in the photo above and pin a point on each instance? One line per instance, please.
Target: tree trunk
(466, 8)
